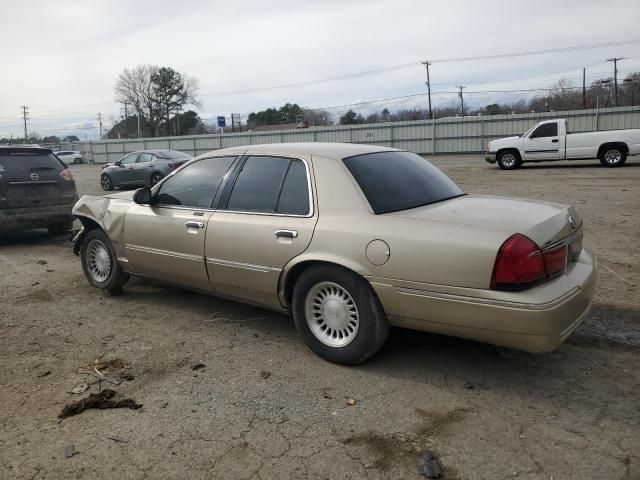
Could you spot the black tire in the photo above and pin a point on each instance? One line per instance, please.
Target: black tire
(509, 160)
(77, 161)
(116, 278)
(612, 157)
(372, 326)
(155, 178)
(60, 228)
(106, 183)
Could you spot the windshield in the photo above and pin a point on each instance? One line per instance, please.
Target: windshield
(394, 181)
(528, 131)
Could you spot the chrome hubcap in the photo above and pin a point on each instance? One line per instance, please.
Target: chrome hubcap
(331, 314)
(105, 182)
(612, 156)
(508, 160)
(98, 261)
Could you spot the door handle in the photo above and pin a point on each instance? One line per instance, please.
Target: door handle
(194, 224)
(287, 233)
(555, 140)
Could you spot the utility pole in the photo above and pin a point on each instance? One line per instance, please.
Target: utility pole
(428, 82)
(584, 88)
(615, 75)
(100, 120)
(138, 115)
(25, 117)
(126, 120)
(461, 99)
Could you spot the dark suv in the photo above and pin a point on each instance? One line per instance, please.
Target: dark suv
(36, 190)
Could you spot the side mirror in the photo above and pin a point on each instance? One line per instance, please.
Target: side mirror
(142, 196)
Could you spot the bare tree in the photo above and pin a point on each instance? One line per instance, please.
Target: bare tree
(135, 87)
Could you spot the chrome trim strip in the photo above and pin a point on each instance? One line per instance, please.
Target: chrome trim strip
(244, 266)
(166, 253)
(486, 301)
(565, 241)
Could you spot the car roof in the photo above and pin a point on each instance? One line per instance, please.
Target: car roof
(324, 149)
(18, 149)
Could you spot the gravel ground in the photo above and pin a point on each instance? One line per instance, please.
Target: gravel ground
(229, 391)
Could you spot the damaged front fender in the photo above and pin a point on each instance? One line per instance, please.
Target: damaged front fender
(108, 213)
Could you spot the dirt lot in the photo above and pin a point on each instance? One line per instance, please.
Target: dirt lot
(263, 406)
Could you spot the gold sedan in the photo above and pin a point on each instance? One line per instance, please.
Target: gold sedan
(349, 239)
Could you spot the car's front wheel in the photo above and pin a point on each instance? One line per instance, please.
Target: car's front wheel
(106, 183)
(338, 315)
(99, 263)
(509, 160)
(77, 161)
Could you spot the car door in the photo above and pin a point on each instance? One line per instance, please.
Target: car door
(264, 219)
(123, 174)
(165, 240)
(543, 143)
(142, 169)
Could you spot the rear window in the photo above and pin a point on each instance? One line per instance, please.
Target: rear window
(394, 181)
(172, 154)
(19, 160)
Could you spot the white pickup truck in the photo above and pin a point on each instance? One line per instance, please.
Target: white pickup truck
(550, 140)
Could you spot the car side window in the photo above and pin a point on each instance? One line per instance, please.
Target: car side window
(129, 159)
(195, 185)
(294, 196)
(546, 130)
(145, 158)
(258, 185)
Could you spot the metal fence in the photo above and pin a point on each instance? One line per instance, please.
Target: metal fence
(441, 136)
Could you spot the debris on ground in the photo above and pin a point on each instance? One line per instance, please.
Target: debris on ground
(103, 400)
(198, 366)
(351, 402)
(69, 451)
(80, 388)
(326, 394)
(49, 270)
(117, 439)
(265, 374)
(44, 373)
(98, 374)
(35, 283)
(617, 275)
(41, 262)
(469, 386)
(100, 364)
(428, 465)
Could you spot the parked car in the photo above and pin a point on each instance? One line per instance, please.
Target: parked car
(70, 157)
(37, 190)
(349, 239)
(551, 140)
(141, 169)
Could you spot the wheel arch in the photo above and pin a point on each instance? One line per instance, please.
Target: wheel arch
(292, 272)
(621, 145)
(508, 149)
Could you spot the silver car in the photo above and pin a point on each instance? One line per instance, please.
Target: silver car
(69, 157)
(141, 169)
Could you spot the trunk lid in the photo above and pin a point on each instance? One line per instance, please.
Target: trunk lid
(543, 222)
(30, 177)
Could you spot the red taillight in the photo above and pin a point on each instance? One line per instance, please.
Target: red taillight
(68, 174)
(174, 165)
(555, 260)
(519, 264)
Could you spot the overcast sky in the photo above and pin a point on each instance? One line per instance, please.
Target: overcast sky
(62, 58)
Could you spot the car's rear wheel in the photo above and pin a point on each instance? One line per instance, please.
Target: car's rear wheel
(155, 178)
(106, 183)
(338, 315)
(613, 157)
(99, 263)
(509, 160)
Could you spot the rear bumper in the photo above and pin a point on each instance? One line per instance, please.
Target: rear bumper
(528, 321)
(490, 157)
(35, 217)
